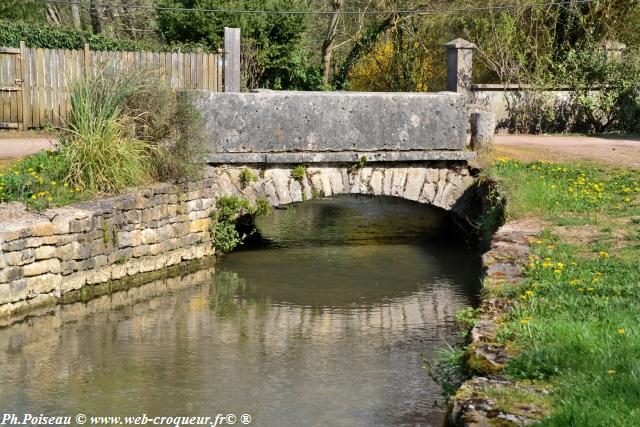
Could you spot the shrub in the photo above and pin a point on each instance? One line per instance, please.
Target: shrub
(41, 36)
(223, 229)
(11, 33)
(231, 209)
(614, 105)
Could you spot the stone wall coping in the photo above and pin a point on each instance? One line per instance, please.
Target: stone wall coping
(339, 157)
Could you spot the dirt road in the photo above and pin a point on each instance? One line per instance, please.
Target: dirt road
(613, 151)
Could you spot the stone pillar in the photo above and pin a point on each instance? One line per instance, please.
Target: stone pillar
(459, 65)
(483, 128)
(232, 59)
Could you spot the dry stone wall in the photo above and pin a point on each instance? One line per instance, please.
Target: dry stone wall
(45, 256)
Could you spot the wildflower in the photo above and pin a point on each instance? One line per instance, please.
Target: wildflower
(611, 371)
(603, 254)
(621, 331)
(529, 293)
(524, 321)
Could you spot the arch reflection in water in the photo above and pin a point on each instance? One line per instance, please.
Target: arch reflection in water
(326, 326)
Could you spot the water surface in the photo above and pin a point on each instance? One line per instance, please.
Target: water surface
(326, 325)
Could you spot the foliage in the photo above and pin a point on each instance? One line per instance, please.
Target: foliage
(398, 64)
(353, 168)
(173, 127)
(247, 177)
(275, 39)
(299, 173)
(11, 33)
(263, 207)
(101, 153)
(230, 209)
(39, 181)
(466, 318)
(364, 45)
(616, 105)
(23, 10)
(223, 228)
(574, 322)
(447, 370)
(126, 128)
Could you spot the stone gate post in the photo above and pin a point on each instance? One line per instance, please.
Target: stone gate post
(459, 65)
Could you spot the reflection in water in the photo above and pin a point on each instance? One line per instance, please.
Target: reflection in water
(326, 327)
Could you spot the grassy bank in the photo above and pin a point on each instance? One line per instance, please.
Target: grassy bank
(576, 319)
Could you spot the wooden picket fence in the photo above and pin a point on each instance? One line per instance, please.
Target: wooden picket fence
(35, 83)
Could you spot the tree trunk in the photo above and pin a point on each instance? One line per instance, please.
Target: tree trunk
(53, 17)
(75, 16)
(96, 17)
(327, 46)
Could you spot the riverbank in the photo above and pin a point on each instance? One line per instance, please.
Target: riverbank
(556, 341)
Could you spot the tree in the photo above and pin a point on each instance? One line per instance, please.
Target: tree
(276, 39)
(327, 46)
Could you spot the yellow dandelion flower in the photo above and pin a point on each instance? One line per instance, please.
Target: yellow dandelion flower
(621, 331)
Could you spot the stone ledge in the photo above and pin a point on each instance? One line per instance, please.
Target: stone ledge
(341, 157)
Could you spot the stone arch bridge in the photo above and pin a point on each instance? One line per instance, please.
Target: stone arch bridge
(406, 145)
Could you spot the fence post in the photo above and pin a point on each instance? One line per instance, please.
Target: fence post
(231, 59)
(459, 65)
(87, 61)
(26, 86)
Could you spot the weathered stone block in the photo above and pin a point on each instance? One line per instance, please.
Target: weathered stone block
(42, 267)
(332, 121)
(42, 284)
(43, 229)
(18, 258)
(45, 252)
(10, 274)
(130, 238)
(73, 250)
(415, 181)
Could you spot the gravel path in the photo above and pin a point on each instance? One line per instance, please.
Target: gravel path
(613, 151)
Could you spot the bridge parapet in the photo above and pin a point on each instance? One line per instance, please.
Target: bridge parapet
(322, 127)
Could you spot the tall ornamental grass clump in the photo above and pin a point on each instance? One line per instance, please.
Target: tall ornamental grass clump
(125, 129)
(128, 128)
(100, 150)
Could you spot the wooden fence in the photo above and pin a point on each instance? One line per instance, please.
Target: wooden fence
(35, 83)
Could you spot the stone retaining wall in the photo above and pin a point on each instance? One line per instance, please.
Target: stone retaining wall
(44, 257)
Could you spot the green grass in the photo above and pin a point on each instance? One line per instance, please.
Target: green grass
(576, 321)
(39, 181)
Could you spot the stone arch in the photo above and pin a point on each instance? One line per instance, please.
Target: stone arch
(440, 184)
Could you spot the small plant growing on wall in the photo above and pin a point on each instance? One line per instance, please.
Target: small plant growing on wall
(224, 233)
(247, 177)
(263, 207)
(299, 173)
(353, 168)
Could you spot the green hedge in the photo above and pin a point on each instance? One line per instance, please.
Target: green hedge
(11, 33)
